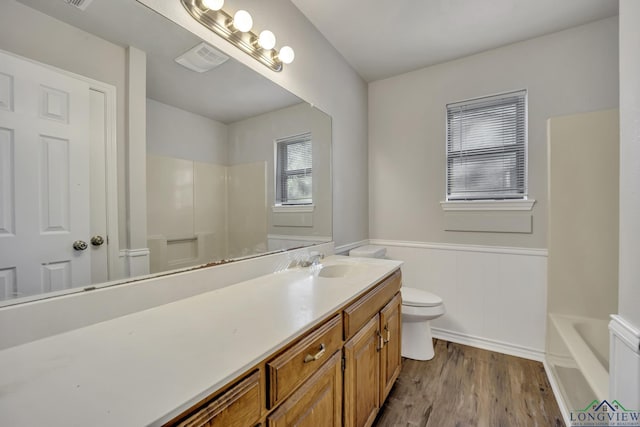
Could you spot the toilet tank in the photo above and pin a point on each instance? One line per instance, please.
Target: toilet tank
(369, 251)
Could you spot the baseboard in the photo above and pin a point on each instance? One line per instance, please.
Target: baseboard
(488, 344)
(555, 387)
(344, 249)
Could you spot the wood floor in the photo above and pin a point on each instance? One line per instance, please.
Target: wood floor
(466, 386)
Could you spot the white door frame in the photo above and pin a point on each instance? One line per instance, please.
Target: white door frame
(111, 166)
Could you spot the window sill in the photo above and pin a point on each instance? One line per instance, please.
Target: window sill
(488, 205)
(293, 208)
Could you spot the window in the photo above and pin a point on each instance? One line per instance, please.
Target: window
(294, 170)
(487, 148)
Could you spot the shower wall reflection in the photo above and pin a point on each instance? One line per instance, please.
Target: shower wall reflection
(211, 189)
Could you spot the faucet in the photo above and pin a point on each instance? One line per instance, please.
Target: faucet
(314, 259)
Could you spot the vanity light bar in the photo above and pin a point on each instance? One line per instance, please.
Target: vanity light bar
(230, 28)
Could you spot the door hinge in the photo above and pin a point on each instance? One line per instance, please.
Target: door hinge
(344, 364)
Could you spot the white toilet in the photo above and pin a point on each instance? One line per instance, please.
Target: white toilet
(418, 308)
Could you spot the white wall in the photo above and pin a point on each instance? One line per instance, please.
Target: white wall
(247, 209)
(583, 214)
(173, 132)
(629, 158)
(320, 76)
(625, 342)
(252, 140)
(493, 300)
(567, 72)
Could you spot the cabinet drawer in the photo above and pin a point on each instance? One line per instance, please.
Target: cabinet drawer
(358, 313)
(290, 369)
(237, 407)
(318, 403)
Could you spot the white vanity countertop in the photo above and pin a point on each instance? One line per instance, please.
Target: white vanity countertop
(144, 368)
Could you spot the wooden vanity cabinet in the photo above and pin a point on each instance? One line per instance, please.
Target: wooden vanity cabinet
(339, 373)
(372, 355)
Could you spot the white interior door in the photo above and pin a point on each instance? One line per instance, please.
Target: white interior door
(44, 167)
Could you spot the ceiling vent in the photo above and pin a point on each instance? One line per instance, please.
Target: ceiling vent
(201, 58)
(80, 4)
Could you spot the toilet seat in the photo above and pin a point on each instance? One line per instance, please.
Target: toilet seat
(419, 298)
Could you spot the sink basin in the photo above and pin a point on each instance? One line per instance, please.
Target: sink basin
(336, 271)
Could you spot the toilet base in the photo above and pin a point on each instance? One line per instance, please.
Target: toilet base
(417, 342)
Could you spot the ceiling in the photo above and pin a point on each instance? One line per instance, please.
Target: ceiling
(228, 93)
(412, 34)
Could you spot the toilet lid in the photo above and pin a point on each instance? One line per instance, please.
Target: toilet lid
(419, 298)
(369, 251)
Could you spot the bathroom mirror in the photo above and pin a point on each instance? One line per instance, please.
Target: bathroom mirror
(184, 168)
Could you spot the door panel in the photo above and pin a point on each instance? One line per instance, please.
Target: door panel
(8, 283)
(56, 276)
(6, 92)
(44, 163)
(54, 188)
(7, 171)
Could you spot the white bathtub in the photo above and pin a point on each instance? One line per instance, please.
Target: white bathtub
(585, 344)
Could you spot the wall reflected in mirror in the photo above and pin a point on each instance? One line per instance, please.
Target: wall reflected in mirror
(222, 205)
(211, 190)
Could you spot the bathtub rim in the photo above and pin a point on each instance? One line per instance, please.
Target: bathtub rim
(597, 376)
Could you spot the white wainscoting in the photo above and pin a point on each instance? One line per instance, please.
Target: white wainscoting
(495, 297)
(624, 362)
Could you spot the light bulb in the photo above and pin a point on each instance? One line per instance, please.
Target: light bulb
(286, 55)
(267, 40)
(213, 4)
(242, 21)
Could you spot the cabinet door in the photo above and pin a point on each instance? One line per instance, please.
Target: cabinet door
(362, 375)
(318, 403)
(390, 359)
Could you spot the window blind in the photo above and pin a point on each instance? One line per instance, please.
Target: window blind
(294, 178)
(487, 148)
